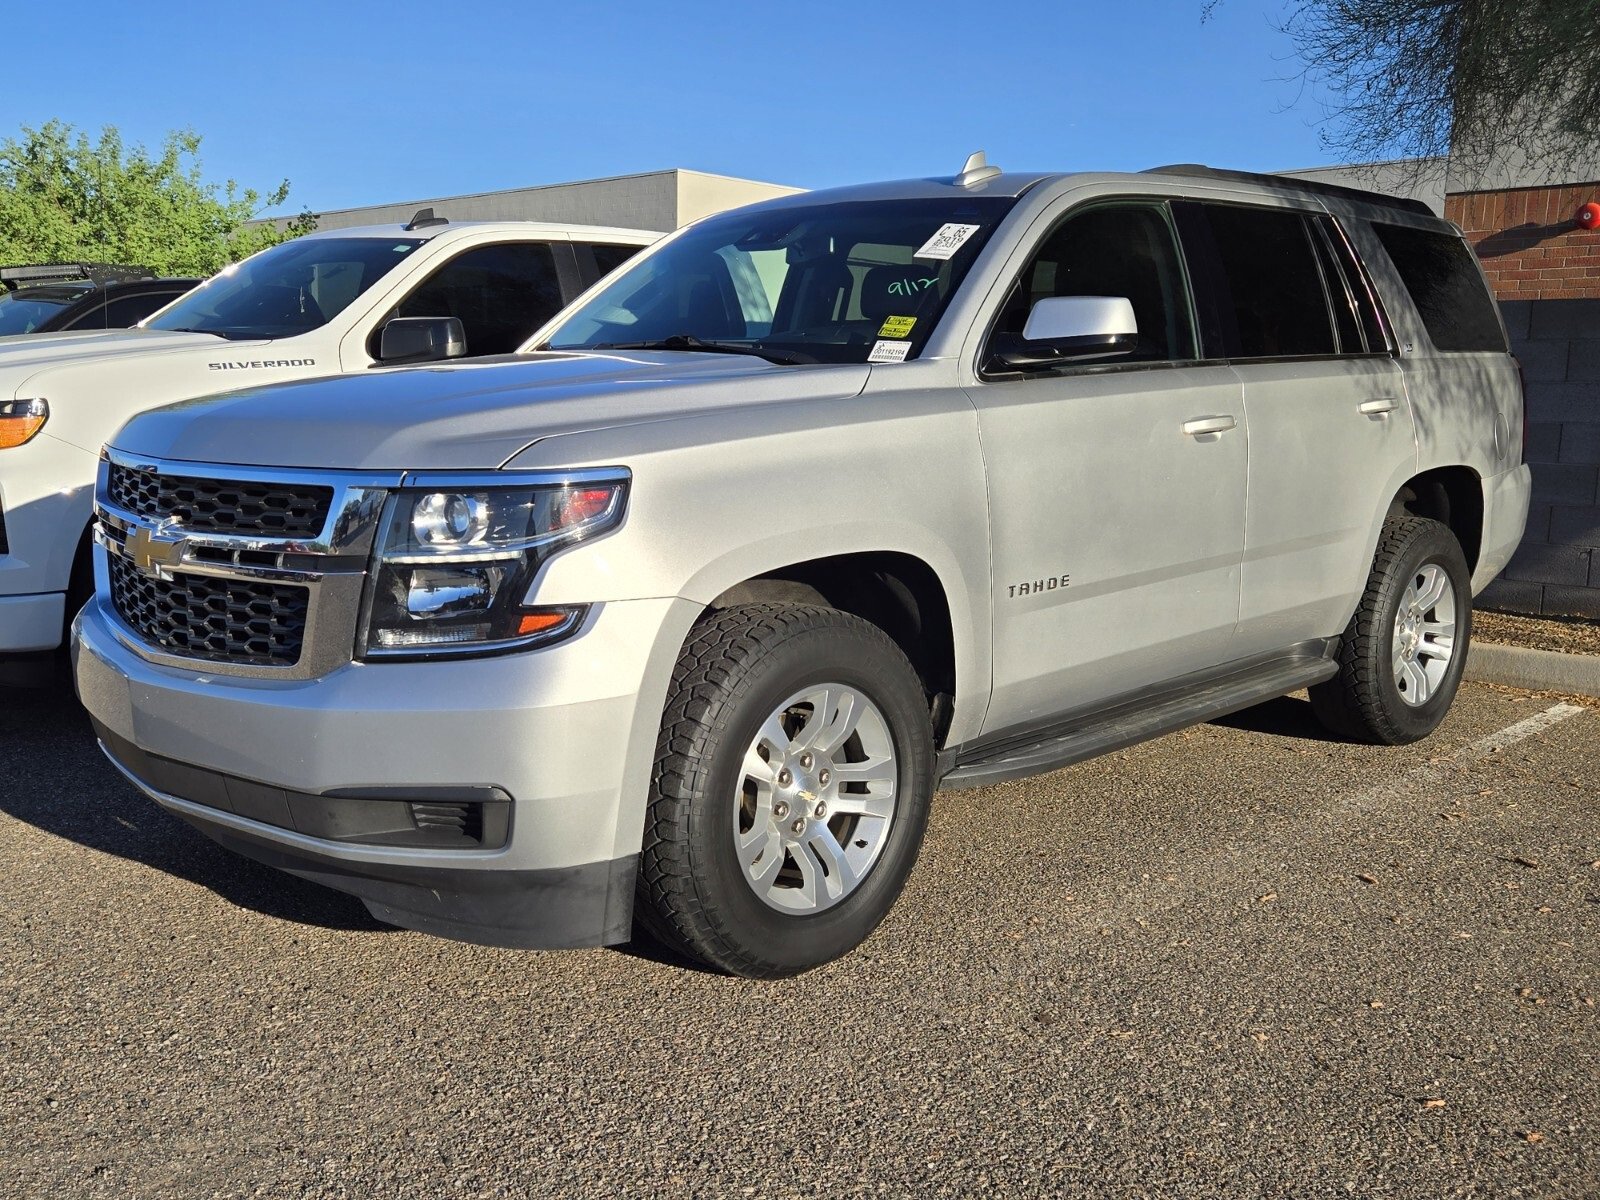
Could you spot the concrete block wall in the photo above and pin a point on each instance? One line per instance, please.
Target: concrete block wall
(1557, 570)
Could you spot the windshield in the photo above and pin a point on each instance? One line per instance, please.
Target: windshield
(26, 310)
(292, 288)
(854, 282)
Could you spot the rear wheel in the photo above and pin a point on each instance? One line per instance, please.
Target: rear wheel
(1401, 657)
(791, 790)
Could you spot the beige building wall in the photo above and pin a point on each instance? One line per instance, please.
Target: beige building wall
(700, 194)
(661, 200)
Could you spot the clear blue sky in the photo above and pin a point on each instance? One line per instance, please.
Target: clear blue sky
(359, 102)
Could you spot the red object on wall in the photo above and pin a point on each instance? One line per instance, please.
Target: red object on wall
(1530, 240)
(1589, 215)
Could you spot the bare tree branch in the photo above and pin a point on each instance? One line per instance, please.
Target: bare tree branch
(1484, 82)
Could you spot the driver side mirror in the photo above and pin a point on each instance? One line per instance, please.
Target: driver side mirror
(1069, 329)
(422, 339)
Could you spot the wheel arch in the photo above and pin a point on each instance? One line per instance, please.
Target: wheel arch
(898, 592)
(1451, 495)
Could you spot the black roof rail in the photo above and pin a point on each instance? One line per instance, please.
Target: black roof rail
(100, 273)
(1199, 171)
(425, 218)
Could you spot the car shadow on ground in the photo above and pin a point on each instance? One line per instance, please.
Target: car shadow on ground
(53, 777)
(1287, 716)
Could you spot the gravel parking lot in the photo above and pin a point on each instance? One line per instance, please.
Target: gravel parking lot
(1240, 961)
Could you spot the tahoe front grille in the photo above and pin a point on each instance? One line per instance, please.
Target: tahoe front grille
(221, 505)
(230, 620)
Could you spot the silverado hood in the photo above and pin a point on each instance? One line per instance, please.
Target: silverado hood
(466, 416)
(25, 354)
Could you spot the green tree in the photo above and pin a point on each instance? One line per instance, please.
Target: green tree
(66, 198)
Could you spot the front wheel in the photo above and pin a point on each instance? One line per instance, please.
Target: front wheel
(791, 790)
(1401, 657)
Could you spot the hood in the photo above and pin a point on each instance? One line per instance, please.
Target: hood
(466, 416)
(26, 353)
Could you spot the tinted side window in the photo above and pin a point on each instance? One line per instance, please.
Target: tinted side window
(501, 293)
(1446, 286)
(1272, 293)
(1373, 327)
(1120, 250)
(93, 317)
(130, 310)
(608, 258)
(1341, 296)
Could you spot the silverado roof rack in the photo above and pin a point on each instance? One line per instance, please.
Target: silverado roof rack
(15, 277)
(1198, 171)
(425, 218)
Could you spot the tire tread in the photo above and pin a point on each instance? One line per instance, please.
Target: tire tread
(707, 685)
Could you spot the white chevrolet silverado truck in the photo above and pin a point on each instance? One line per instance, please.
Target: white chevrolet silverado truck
(675, 624)
(340, 301)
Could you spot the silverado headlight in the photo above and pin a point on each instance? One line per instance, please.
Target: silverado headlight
(20, 420)
(453, 565)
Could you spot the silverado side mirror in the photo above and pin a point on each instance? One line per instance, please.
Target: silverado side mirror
(1069, 329)
(422, 339)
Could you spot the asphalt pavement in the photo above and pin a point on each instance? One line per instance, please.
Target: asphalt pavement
(1240, 961)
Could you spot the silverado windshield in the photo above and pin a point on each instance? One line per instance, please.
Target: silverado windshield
(863, 281)
(292, 288)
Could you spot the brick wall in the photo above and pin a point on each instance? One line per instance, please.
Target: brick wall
(1545, 269)
(1557, 569)
(1531, 246)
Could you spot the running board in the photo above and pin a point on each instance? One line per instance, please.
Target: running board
(1131, 722)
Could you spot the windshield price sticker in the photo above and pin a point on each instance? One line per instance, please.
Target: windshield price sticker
(897, 327)
(947, 241)
(889, 352)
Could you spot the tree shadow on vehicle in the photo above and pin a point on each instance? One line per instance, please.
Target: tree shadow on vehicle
(53, 777)
(1287, 716)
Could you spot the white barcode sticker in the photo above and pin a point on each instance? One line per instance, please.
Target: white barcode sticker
(947, 241)
(888, 352)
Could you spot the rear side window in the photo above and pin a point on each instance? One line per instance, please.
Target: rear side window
(608, 258)
(1357, 289)
(1269, 285)
(1445, 284)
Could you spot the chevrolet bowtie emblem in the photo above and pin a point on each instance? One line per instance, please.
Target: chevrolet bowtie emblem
(155, 551)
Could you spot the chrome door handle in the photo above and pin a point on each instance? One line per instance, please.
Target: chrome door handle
(1380, 407)
(1201, 426)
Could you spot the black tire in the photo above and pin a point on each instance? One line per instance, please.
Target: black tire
(80, 586)
(738, 665)
(1363, 702)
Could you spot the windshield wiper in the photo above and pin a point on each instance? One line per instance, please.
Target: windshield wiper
(687, 341)
(212, 332)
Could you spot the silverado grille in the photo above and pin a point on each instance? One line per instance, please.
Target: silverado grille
(221, 506)
(234, 620)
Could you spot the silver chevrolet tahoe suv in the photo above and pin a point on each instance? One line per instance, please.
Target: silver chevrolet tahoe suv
(674, 622)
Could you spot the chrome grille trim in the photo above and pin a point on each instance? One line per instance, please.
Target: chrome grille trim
(330, 564)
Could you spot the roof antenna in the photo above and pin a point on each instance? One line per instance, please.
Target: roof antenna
(976, 170)
(425, 218)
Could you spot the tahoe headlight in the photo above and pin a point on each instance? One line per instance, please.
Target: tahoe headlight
(453, 565)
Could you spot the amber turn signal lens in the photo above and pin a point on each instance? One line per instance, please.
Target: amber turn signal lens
(20, 420)
(538, 622)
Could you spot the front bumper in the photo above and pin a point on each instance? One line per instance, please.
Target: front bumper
(268, 768)
(46, 495)
(32, 623)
